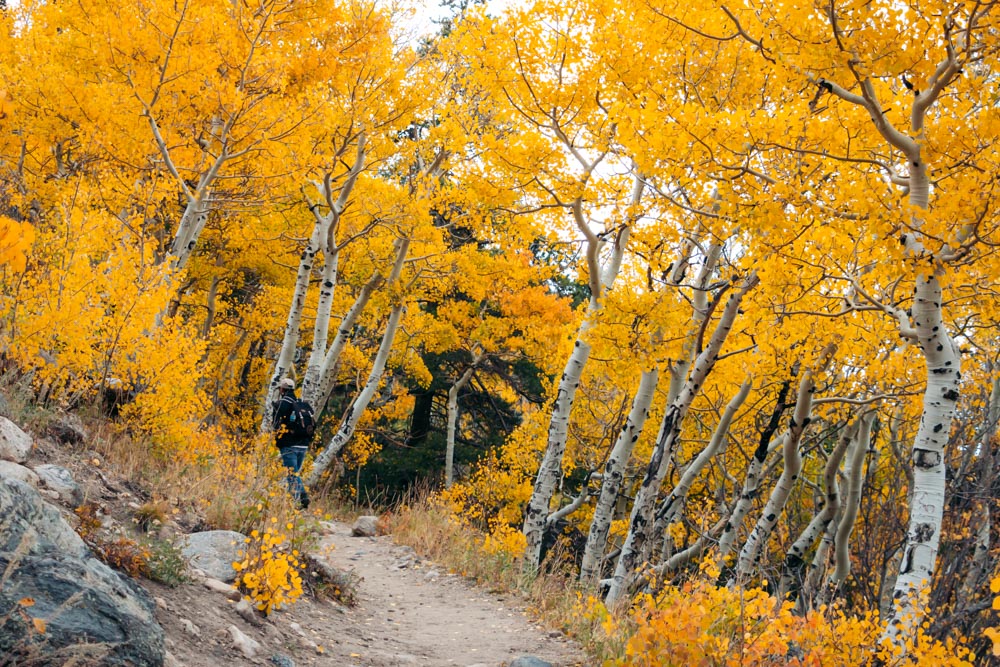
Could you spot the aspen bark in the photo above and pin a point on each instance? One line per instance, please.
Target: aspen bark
(752, 481)
(361, 401)
(321, 328)
(290, 339)
(328, 281)
(360, 404)
(673, 505)
(928, 330)
(750, 553)
(852, 501)
(614, 474)
(547, 478)
(795, 556)
(317, 391)
(449, 452)
(641, 519)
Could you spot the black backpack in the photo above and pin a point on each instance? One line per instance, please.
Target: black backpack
(301, 422)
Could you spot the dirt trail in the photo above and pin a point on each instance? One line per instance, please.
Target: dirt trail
(412, 612)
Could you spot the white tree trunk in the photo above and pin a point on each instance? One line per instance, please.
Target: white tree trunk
(852, 502)
(750, 553)
(614, 473)
(321, 328)
(286, 356)
(360, 404)
(328, 282)
(674, 503)
(640, 521)
(927, 503)
(795, 556)
(449, 452)
(537, 512)
(752, 481)
(316, 393)
(316, 387)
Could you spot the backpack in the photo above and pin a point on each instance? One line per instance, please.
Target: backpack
(301, 422)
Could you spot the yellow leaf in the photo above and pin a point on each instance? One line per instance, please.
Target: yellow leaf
(39, 625)
(26, 602)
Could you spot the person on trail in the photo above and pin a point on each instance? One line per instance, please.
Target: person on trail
(293, 424)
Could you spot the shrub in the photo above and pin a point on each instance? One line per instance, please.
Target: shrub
(166, 563)
(268, 576)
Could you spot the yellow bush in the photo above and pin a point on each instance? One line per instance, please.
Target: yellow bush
(268, 576)
(699, 623)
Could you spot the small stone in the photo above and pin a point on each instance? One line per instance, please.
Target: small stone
(327, 527)
(160, 603)
(170, 661)
(282, 660)
(247, 612)
(247, 645)
(190, 628)
(214, 552)
(221, 587)
(529, 661)
(365, 526)
(297, 629)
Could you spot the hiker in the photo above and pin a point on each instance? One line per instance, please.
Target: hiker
(293, 426)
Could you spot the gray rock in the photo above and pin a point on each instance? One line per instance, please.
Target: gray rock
(247, 645)
(246, 611)
(15, 444)
(213, 552)
(282, 660)
(529, 661)
(90, 610)
(12, 470)
(61, 481)
(26, 517)
(365, 526)
(190, 627)
(68, 429)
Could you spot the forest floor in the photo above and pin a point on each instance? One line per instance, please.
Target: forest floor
(408, 612)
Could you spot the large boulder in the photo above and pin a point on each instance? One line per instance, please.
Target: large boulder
(213, 552)
(15, 444)
(88, 610)
(61, 481)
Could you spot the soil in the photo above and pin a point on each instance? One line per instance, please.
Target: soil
(408, 611)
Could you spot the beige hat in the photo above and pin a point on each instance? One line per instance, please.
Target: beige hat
(286, 383)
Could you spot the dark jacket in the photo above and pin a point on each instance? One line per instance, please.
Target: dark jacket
(283, 408)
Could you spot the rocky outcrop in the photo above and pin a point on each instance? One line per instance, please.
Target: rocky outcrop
(85, 608)
(213, 552)
(12, 470)
(15, 444)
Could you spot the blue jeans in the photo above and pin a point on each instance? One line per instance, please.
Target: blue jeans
(291, 458)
